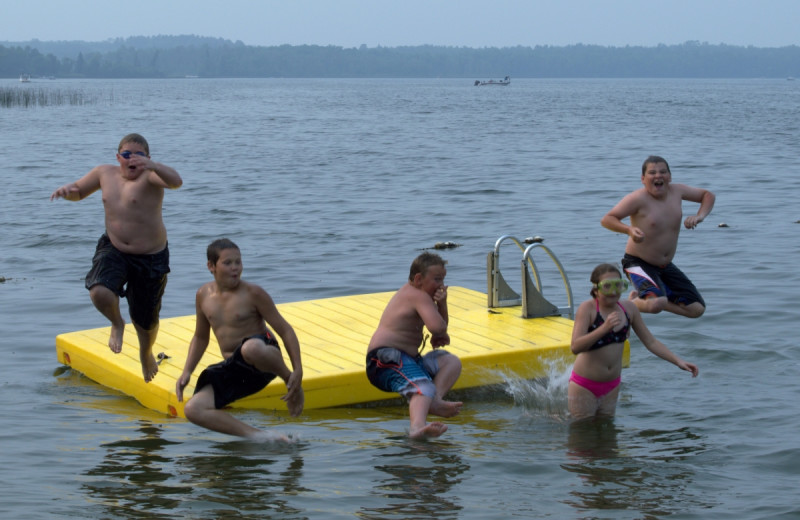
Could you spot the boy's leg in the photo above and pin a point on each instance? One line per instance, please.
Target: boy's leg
(201, 411)
(418, 407)
(650, 304)
(146, 340)
(693, 310)
(268, 358)
(446, 377)
(107, 303)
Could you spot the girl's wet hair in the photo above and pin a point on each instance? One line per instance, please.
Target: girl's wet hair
(599, 271)
(217, 246)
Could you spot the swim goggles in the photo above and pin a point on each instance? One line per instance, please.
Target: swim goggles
(127, 154)
(611, 286)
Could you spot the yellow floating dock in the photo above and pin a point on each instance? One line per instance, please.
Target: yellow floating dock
(334, 334)
(498, 335)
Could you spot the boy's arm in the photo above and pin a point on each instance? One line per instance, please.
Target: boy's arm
(269, 311)
(706, 200)
(433, 315)
(163, 175)
(624, 209)
(440, 299)
(197, 348)
(81, 188)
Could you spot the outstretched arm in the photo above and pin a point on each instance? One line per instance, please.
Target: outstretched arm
(81, 188)
(654, 345)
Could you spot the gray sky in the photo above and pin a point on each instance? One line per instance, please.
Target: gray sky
(469, 23)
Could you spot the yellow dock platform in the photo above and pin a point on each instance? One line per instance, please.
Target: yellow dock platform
(334, 334)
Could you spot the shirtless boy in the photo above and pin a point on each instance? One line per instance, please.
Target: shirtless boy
(394, 362)
(655, 213)
(236, 310)
(133, 250)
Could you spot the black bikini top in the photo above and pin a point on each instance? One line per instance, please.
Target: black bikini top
(615, 336)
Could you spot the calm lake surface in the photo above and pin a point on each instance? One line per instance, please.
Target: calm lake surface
(332, 187)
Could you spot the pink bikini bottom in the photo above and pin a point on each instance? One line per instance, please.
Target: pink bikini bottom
(598, 388)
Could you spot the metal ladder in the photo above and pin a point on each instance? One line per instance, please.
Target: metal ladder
(534, 305)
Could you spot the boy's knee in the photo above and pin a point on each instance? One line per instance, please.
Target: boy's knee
(101, 293)
(695, 310)
(264, 357)
(190, 410)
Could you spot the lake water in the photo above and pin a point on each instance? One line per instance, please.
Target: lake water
(332, 187)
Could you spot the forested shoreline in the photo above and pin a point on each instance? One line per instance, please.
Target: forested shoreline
(181, 56)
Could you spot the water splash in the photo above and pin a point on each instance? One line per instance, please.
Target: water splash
(542, 396)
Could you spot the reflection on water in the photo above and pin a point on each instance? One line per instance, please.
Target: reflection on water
(646, 473)
(134, 477)
(140, 477)
(418, 480)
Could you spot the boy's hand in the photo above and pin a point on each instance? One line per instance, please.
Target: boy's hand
(691, 222)
(636, 234)
(66, 191)
(440, 340)
(440, 295)
(180, 384)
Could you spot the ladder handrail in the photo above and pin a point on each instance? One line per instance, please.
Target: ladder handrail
(526, 256)
(499, 293)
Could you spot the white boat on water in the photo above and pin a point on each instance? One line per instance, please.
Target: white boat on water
(24, 78)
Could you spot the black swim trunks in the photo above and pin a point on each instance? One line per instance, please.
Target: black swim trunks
(235, 378)
(665, 280)
(139, 278)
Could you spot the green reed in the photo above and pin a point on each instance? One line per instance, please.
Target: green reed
(42, 97)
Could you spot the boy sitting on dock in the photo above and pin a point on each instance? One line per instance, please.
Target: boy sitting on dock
(131, 258)
(236, 311)
(394, 360)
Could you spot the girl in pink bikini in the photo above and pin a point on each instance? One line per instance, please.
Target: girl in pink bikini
(602, 325)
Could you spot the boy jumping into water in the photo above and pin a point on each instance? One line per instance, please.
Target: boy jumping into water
(236, 310)
(394, 362)
(133, 250)
(655, 213)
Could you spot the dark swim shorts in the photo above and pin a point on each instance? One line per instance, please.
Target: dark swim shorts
(145, 276)
(235, 378)
(665, 280)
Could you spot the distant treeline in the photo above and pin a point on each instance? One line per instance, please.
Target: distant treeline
(180, 56)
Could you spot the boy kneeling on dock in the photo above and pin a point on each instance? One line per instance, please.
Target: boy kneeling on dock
(236, 311)
(394, 360)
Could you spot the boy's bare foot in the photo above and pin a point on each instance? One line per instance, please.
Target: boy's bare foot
(295, 403)
(115, 338)
(445, 408)
(430, 430)
(149, 366)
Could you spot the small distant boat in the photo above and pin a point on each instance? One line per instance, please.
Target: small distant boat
(24, 78)
(504, 81)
